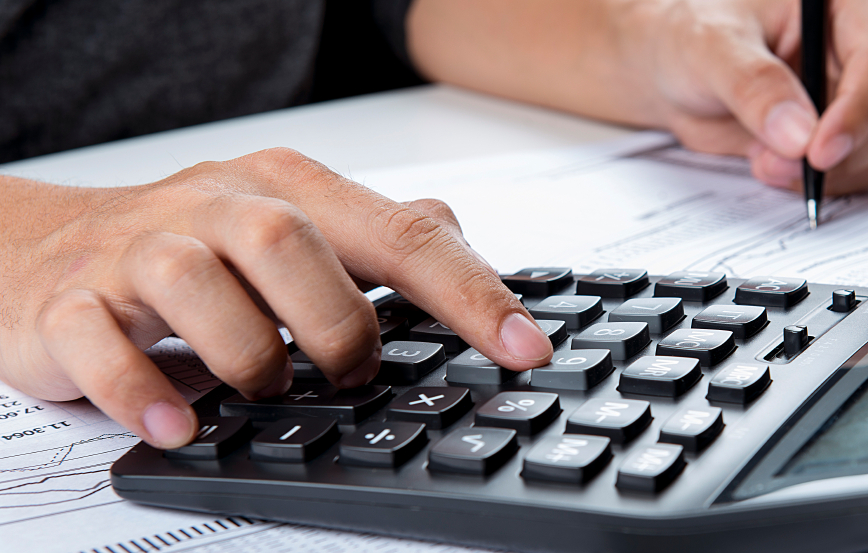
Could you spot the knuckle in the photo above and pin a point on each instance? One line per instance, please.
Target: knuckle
(348, 339)
(249, 366)
(172, 259)
(405, 232)
(268, 225)
(65, 309)
(285, 161)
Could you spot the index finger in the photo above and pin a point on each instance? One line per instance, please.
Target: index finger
(384, 242)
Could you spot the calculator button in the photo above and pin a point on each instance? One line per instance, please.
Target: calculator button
(539, 281)
(476, 450)
(526, 412)
(742, 320)
(795, 339)
(620, 419)
(693, 427)
(383, 444)
(407, 362)
(303, 368)
(571, 458)
(691, 286)
(660, 314)
(432, 330)
(624, 340)
(709, 346)
(436, 407)
(349, 406)
(651, 468)
(612, 283)
(574, 370)
(576, 311)
(772, 291)
(217, 437)
(401, 307)
(471, 367)
(660, 376)
(843, 301)
(295, 440)
(393, 328)
(555, 330)
(739, 383)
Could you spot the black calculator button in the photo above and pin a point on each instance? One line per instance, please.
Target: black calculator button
(432, 330)
(539, 281)
(739, 383)
(691, 285)
(526, 412)
(471, 367)
(574, 370)
(407, 362)
(843, 301)
(772, 291)
(660, 314)
(393, 328)
(624, 340)
(651, 468)
(555, 330)
(217, 437)
(295, 440)
(571, 458)
(693, 427)
(436, 407)
(575, 311)
(303, 368)
(619, 419)
(383, 444)
(660, 376)
(476, 450)
(401, 307)
(612, 283)
(348, 406)
(709, 346)
(742, 320)
(520, 298)
(795, 339)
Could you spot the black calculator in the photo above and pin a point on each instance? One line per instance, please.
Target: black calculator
(689, 412)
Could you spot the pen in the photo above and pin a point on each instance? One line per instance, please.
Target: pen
(814, 78)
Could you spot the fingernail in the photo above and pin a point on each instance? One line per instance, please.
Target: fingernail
(280, 385)
(168, 426)
(523, 339)
(835, 151)
(362, 374)
(789, 127)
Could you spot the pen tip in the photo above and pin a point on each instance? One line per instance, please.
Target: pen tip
(813, 214)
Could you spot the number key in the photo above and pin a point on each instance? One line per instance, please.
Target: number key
(624, 340)
(407, 362)
(612, 283)
(661, 314)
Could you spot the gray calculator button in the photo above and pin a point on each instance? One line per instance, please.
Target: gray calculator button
(407, 362)
(349, 406)
(217, 437)
(576, 311)
(387, 444)
(739, 383)
(709, 346)
(432, 330)
(295, 440)
(772, 291)
(571, 458)
(477, 450)
(555, 330)
(619, 419)
(574, 370)
(525, 412)
(539, 281)
(612, 283)
(471, 367)
(693, 427)
(392, 328)
(656, 375)
(843, 301)
(437, 407)
(661, 314)
(651, 468)
(742, 320)
(624, 340)
(303, 368)
(691, 285)
(401, 307)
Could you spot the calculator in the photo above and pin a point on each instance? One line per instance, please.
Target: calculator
(688, 412)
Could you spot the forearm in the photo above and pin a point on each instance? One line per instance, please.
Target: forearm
(577, 56)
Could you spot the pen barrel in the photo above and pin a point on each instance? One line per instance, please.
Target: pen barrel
(814, 51)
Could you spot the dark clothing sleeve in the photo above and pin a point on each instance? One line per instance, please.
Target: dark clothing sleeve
(391, 18)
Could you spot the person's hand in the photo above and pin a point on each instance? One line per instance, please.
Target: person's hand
(216, 254)
(720, 74)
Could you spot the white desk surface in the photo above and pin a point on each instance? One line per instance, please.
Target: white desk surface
(410, 126)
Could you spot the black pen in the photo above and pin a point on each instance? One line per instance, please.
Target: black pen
(814, 78)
